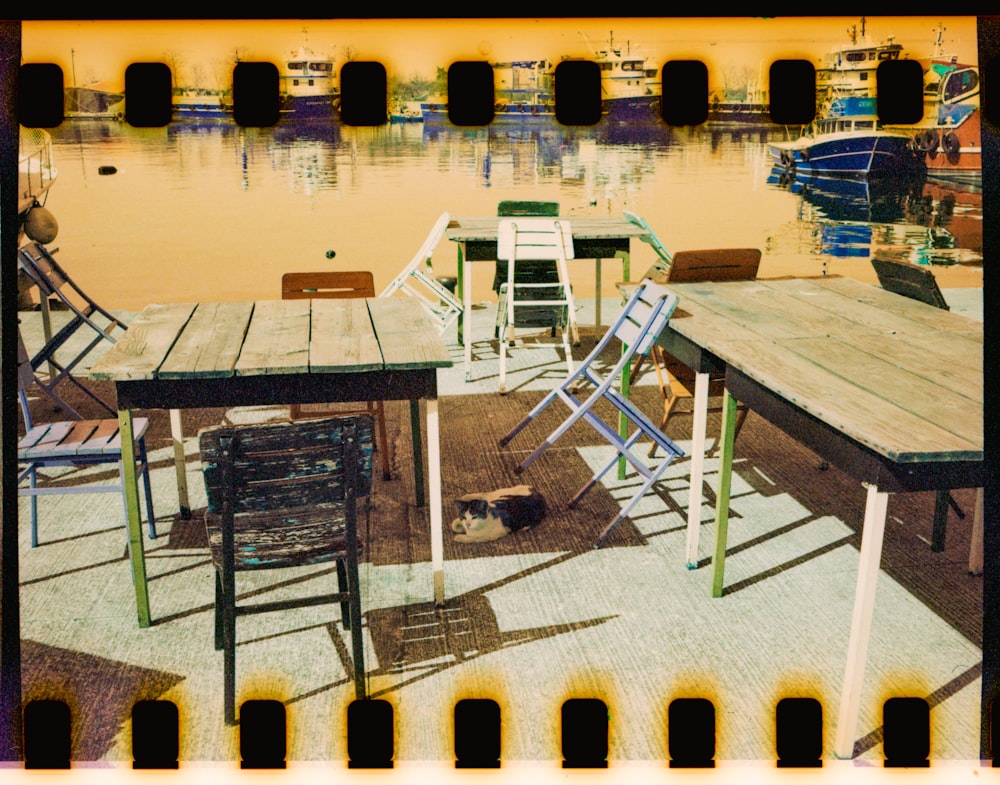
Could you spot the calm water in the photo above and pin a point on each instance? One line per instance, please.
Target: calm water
(217, 212)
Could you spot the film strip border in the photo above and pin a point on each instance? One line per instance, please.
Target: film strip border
(46, 725)
(584, 725)
(471, 93)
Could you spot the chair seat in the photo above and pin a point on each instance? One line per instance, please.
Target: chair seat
(74, 440)
(289, 537)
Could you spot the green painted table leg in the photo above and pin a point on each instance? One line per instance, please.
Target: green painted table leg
(722, 498)
(418, 454)
(137, 554)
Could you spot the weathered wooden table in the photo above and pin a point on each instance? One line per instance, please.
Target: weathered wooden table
(888, 389)
(594, 237)
(193, 355)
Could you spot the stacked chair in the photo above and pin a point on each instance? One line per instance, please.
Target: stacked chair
(339, 284)
(641, 321)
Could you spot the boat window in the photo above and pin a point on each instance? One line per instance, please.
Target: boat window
(321, 67)
(959, 83)
(855, 57)
(297, 66)
(864, 124)
(864, 76)
(606, 66)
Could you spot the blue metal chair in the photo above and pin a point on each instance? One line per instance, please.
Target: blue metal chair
(643, 318)
(77, 443)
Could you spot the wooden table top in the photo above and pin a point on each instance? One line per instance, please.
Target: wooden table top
(266, 337)
(895, 375)
(464, 229)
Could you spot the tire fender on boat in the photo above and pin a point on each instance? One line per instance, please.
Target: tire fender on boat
(787, 159)
(926, 141)
(950, 143)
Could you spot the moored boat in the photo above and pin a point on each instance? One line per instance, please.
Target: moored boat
(201, 105)
(308, 86)
(630, 85)
(847, 141)
(36, 172)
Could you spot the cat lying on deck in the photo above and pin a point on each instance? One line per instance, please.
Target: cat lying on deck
(483, 517)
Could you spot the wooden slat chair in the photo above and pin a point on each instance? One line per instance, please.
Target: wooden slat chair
(286, 495)
(546, 239)
(676, 380)
(339, 284)
(919, 283)
(530, 271)
(76, 443)
(52, 281)
(909, 280)
(642, 319)
(417, 279)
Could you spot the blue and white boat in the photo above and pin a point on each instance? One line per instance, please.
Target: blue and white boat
(308, 86)
(847, 140)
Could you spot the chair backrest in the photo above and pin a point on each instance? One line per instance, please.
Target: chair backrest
(643, 318)
(276, 477)
(510, 208)
(910, 281)
(535, 239)
(25, 378)
(422, 257)
(650, 238)
(723, 264)
(43, 270)
(340, 284)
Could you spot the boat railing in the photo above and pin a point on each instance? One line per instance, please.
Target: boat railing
(35, 169)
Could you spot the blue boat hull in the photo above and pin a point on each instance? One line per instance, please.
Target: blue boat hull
(847, 154)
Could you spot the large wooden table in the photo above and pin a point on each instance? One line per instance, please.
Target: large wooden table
(194, 355)
(888, 389)
(594, 237)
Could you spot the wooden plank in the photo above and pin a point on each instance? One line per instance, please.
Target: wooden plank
(342, 339)
(723, 264)
(918, 316)
(871, 421)
(953, 363)
(277, 340)
(406, 334)
(142, 349)
(891, 379)
(210, 343)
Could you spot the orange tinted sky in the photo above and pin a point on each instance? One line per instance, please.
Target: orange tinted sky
(206, 49)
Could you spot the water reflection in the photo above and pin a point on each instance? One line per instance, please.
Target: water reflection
(300, 189)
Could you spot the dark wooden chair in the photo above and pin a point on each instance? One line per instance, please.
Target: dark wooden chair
(76, 443)
(286, 495)
(676, 380)
(909, 280)
(919, 283)
(346, 284)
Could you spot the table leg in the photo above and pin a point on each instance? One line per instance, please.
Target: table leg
(418, 453)
(697, 467)
(726, 440)
(597, 301)
(180, 462)
(137, 553)
(465, 318)
(976, 548)
(434, 472)
(861, 623)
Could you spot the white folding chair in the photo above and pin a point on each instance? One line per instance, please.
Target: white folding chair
(640, 322)
(418, 277)
(535, 239)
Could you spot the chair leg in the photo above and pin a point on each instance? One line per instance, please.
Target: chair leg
(219, 601)
(229, 650)
(354, 589)
(668, 407)
(33, 479)
(383, 441)
(144, 462)
(344, 586)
